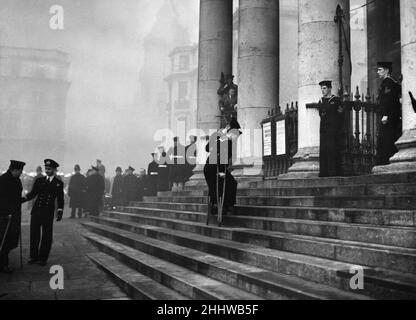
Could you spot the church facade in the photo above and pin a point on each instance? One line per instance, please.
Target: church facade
(390, 36)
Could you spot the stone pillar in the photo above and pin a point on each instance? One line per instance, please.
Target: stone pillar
(258, 70)
(318, 60)
(215, 56)
(405, 159)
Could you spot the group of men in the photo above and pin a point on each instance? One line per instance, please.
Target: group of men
(86, 193)
(47, 190)
(171, 170)
(332, 127)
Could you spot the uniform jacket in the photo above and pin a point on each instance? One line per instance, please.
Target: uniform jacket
(389, 98)
(47, 192)
(331, 115)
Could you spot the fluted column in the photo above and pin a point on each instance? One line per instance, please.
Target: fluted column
(215, 56)
(318, 60)
(258, 69)
(405, 159)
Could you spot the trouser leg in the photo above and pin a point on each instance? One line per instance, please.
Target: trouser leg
(35, 225)
(73, 211)
(47, 235)
(4, 259)
(79, 212)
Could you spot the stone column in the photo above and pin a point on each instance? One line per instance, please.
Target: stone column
(318, 60)
(405, 159)
(215, 56)
(258, 70)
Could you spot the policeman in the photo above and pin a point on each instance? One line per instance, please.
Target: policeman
(10, 212)
(153, 172)
(47, 190)
(331, 132)
(391, 114)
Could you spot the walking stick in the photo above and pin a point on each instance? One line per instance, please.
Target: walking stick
(9, 217)
(21, 247)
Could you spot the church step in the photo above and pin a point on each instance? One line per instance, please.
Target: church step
(405, 218)
(384, 235)
(338, 181)
(134, 284)
(309, 268)
(354, 190)
(400, 259)
(186, 282)
(369, 202)
(263, 283)
(351, 215)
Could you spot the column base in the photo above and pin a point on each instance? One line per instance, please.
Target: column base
(250, 171)
(306, 165)
(405, 159)
(197, 180)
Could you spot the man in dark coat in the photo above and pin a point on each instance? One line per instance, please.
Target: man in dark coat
(222, 151)
(331, 132)
(10, 212)
(95, 192)
(76, 192)
(391, 114)
(117, 189)
(190, 151)
(131, 186)
(176, 160)
(153, 177)
(47, 190)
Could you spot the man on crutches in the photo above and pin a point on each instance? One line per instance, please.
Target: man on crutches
(221, 184)
(10, 212)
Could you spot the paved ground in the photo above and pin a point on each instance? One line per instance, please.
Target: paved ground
(82, 279)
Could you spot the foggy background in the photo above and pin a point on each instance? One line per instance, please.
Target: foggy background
(106, 116)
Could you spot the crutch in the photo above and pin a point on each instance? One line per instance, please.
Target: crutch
(220, 199)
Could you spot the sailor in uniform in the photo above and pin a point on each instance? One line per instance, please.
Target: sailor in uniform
(47, 190)
(331, 132)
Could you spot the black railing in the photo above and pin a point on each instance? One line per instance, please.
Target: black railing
(278, 148)
(361, 129)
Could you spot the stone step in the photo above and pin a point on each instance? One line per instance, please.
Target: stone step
(405, 218)
(385, 235)
(368, 202)
(180, 279)
(338, 181)
(332, 191)
(372, 255)
(319, 270)
(266, 284)
(134, 284)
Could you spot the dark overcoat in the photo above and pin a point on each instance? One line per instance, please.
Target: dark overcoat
(10, 204)
(76, 191)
